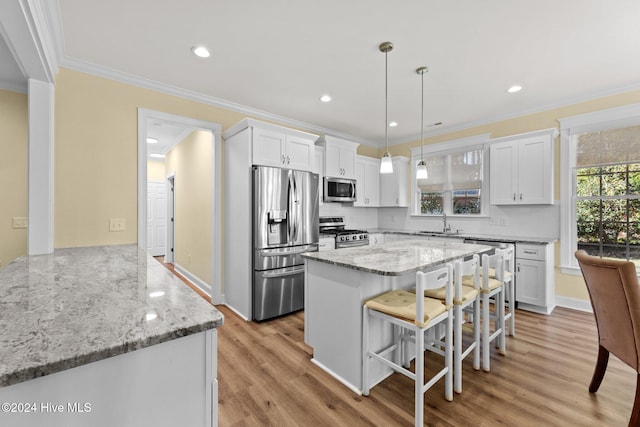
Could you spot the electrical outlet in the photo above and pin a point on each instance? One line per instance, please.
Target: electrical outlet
(19, 222)
(116, 224)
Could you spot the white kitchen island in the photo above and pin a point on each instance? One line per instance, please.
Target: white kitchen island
(338, 282)
(104, 336)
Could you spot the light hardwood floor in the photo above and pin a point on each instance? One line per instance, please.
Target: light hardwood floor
(266, 378)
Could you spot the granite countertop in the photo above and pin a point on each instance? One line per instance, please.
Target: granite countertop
(486, 237)
(80, 305)
(397, 258)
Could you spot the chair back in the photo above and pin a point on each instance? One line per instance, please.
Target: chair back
(615, 298)
(509, 258)
(495, 261)
(440, 278)
(469, 267)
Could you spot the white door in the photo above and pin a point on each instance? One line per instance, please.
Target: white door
(157, 218)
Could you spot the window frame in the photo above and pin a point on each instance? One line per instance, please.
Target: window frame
(480, 142)
(612, 118)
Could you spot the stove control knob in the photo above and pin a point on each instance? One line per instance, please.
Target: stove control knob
(346, 238)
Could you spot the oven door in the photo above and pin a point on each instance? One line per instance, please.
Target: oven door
(277, 292)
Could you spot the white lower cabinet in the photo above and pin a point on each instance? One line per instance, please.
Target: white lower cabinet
(535, 284)
(326, 244)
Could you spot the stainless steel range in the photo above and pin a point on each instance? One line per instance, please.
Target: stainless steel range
(345, 238)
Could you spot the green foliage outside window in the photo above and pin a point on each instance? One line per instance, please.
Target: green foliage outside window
(608, 210)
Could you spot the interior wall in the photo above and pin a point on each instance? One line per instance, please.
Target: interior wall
(533, 220)
(191, 162)
(156, 170)
(96, 134)
(13, 173)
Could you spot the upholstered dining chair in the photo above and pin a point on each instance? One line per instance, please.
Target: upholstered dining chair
(615, 296)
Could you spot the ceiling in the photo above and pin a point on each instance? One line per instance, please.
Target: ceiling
(274, 59)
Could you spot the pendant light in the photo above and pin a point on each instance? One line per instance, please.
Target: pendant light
(386, 165)
(421, 172)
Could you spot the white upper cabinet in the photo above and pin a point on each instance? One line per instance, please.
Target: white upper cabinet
(340, 157)
(367, 182)
(394, 187)
(278, 146)
(521, 169)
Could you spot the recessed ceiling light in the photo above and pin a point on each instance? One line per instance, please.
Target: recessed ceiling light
(514, 89)
(325, 98)
(201, 51)
(157, 156)
(393, 124)
(151, 140)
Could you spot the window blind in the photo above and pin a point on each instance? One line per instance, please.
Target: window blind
(608, 147)
(455, 171)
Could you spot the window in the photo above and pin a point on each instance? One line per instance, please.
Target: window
(601, 185)
(607, 195)
(455, 185)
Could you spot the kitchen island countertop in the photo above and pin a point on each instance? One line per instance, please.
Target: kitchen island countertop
(81, 305)
(397, 258)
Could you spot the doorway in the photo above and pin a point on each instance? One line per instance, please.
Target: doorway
(171, 216)
(165, 133)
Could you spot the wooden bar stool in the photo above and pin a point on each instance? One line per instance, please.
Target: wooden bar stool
(414, 314)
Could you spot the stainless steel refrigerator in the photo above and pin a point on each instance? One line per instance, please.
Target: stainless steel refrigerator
(285, 224)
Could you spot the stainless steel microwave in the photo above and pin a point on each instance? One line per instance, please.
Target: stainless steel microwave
(339, 190)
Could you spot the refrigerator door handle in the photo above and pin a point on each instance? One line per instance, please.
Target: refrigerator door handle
(296, 218)
(290, 217)
(289, 272)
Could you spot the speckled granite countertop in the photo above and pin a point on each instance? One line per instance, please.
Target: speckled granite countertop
(81, 305)
(487, 237)
(397, 258)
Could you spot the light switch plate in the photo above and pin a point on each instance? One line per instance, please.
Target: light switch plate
(116, 224)
(19, 222)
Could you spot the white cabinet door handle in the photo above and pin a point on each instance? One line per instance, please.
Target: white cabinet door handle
(520, 196)
(514, 197)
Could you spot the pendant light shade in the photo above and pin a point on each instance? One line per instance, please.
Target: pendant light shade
(421, 170)
(386, 165)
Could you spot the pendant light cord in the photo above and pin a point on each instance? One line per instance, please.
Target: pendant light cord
(422, 119)
(386, 103)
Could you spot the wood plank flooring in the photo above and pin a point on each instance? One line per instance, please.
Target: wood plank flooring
(266, 378)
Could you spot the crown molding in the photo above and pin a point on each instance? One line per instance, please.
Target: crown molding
(119, 76)
(560, 104)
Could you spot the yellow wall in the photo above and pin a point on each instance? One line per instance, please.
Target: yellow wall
(13, 173)
(191, 162)
(566, 285)
(96, 128)
(155, 170)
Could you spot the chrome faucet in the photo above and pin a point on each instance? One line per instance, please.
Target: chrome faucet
(447, 227)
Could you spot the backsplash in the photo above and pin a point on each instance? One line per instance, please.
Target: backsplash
(524, 221)
(366, 218)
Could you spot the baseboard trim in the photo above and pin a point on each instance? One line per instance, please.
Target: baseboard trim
(236, 312)
(574, 303)
(337, 377)
(193, 279)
